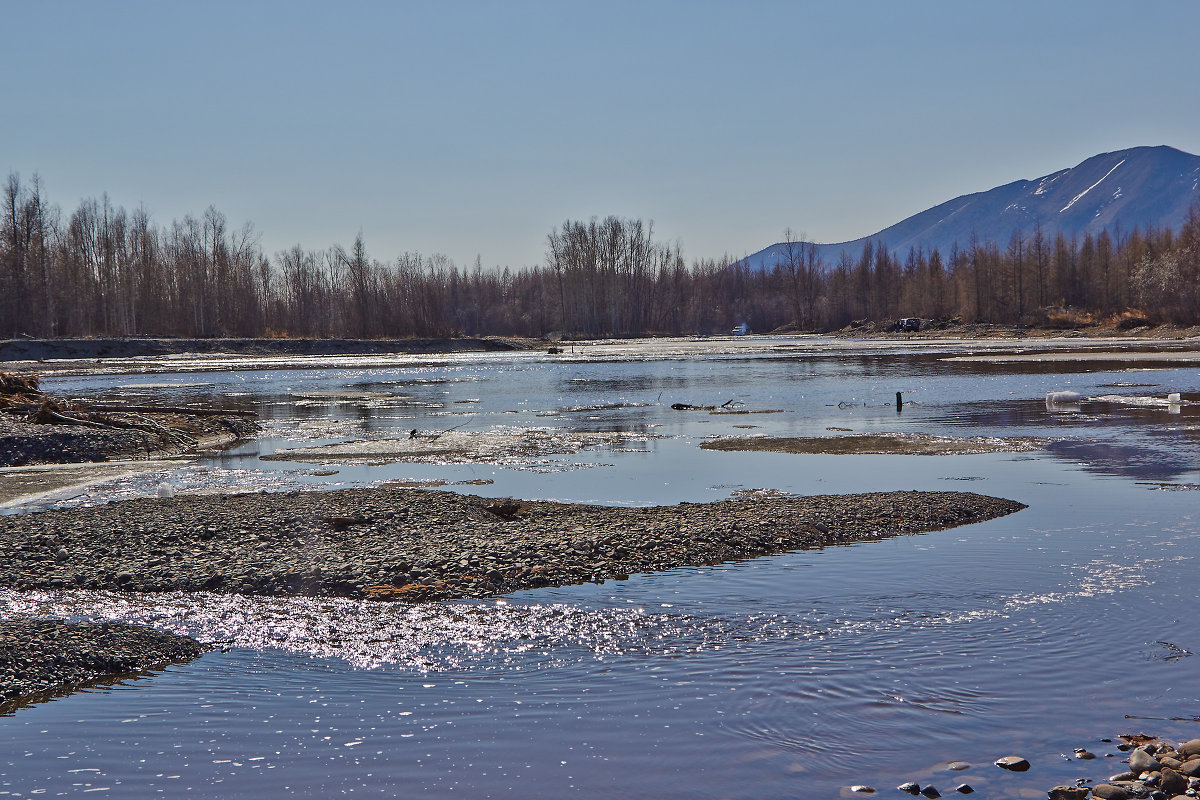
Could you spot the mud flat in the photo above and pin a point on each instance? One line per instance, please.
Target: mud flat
(912, 444)
(42, 658)
(407, 544)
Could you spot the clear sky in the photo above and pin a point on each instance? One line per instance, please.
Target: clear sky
(475, 128)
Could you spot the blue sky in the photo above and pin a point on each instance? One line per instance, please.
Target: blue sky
(474, 128)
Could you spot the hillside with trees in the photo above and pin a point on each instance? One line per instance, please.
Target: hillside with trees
(103, 270)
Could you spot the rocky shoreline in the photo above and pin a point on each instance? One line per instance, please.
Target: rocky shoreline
(40, 658)
(1157, 770)
(416, 545)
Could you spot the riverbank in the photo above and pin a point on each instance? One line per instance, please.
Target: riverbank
(40, 659)
(36, 350)
(415, 545)
(1081, 328)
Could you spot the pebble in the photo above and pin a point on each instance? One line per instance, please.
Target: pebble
(1012, 763)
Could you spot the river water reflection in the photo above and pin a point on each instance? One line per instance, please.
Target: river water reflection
(790, 676)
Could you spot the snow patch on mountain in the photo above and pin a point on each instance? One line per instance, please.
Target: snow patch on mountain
(1079, 196)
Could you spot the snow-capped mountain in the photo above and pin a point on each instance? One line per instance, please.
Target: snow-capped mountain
(1134, 188)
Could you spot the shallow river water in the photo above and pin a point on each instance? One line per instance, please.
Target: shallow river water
(795, 675)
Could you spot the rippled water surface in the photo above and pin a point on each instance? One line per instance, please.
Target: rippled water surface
(790, 676)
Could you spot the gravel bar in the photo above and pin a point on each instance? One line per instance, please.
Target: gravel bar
(419, 545)
(42, 658)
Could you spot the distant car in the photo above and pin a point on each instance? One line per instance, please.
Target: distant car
(909, 325)
(741, 330)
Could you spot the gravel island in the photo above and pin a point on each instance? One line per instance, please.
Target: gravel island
(40, 658)
(418, 545)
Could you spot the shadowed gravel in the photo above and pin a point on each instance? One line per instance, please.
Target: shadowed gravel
(41, 658)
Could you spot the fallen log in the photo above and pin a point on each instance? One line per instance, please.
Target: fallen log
(48, 416)
(198, 412)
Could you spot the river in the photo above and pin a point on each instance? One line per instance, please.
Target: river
(796, 675)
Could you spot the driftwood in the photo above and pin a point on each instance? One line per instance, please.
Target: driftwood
(12, 383)
(48, 416)
(32, 408)
(20, 396)
(690, 407)
(197, 412)
(51, 412)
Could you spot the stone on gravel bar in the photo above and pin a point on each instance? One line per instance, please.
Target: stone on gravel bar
(1068, 793)
(1140, 761)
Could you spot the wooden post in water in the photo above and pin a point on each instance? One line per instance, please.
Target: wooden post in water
(899, 403)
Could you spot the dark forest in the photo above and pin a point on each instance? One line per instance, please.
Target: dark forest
(103, 270)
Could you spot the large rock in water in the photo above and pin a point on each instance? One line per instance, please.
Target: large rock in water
(1068, 793)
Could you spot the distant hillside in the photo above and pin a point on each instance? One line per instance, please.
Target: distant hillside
(1134, 188)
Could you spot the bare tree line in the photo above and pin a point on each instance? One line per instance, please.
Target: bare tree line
(102, 270)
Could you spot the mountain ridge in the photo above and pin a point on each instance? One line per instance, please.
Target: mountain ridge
(1139, 187)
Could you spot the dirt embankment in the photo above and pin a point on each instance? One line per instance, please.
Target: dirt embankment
(940, 329)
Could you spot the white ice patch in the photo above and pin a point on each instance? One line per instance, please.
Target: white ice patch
(1141, 401)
